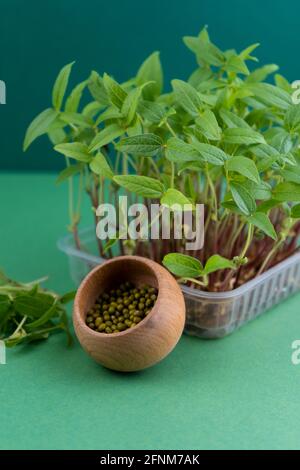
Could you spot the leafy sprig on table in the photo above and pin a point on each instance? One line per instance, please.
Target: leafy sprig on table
(224, 137)
(30, 313)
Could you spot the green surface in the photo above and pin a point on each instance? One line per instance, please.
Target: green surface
(38, 38)
(239, 392)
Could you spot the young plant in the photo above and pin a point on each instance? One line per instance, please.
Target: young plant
(30, 313)
(224, 138)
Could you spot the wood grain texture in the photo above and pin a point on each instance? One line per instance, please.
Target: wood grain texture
(154, 337)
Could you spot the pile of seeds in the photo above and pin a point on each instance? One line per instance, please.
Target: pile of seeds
(121, 308)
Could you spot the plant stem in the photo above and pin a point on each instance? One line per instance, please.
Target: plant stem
(248, 241)
(195, 281)
(269, 256)
(170, 129)
(172, 174)
(71, 191)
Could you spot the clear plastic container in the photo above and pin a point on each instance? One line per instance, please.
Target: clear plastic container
(209, 314)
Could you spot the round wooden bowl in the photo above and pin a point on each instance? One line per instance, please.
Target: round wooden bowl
(151, 339)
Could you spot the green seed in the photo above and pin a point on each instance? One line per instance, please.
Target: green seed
(121, 308)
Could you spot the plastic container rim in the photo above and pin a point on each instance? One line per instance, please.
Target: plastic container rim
(64, 245)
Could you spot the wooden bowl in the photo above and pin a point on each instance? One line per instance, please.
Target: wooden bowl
(151, 339)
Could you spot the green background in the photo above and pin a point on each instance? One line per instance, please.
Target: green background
(38, 38)
(239, 392)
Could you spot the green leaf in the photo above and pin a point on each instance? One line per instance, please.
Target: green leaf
(92, 109)
(233, 120)
(76, 119)
(108, 114)
(208, 125)
(245, 53)
(97, 89)
(211, 154)
(183, 265)
(179, 151)
(68, 172)
(292, 118)
(151, 70)
(99, 166)
(75, 150)
(260, 74)
(130, 104)
(287, 192)
(265, 151)
(216, 262)
(242, 136)
(282, 82)
(5, 304)
(280, 139)
(68, 297)
(115, 92)
(51, 312)
(260, 191)
(244, 166)
(106, 136)
(270, 95)
(60, 86)
(266, 206)
(33, 306)
(73, 100)
(291, 174)
(39, 126)
(243, 198)
(173, 197)
(295, 212)
(205, 51)
(262, 221)
(141, 185)
(187, 97)
(146, 145)
(152, 111)
(236, 64)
